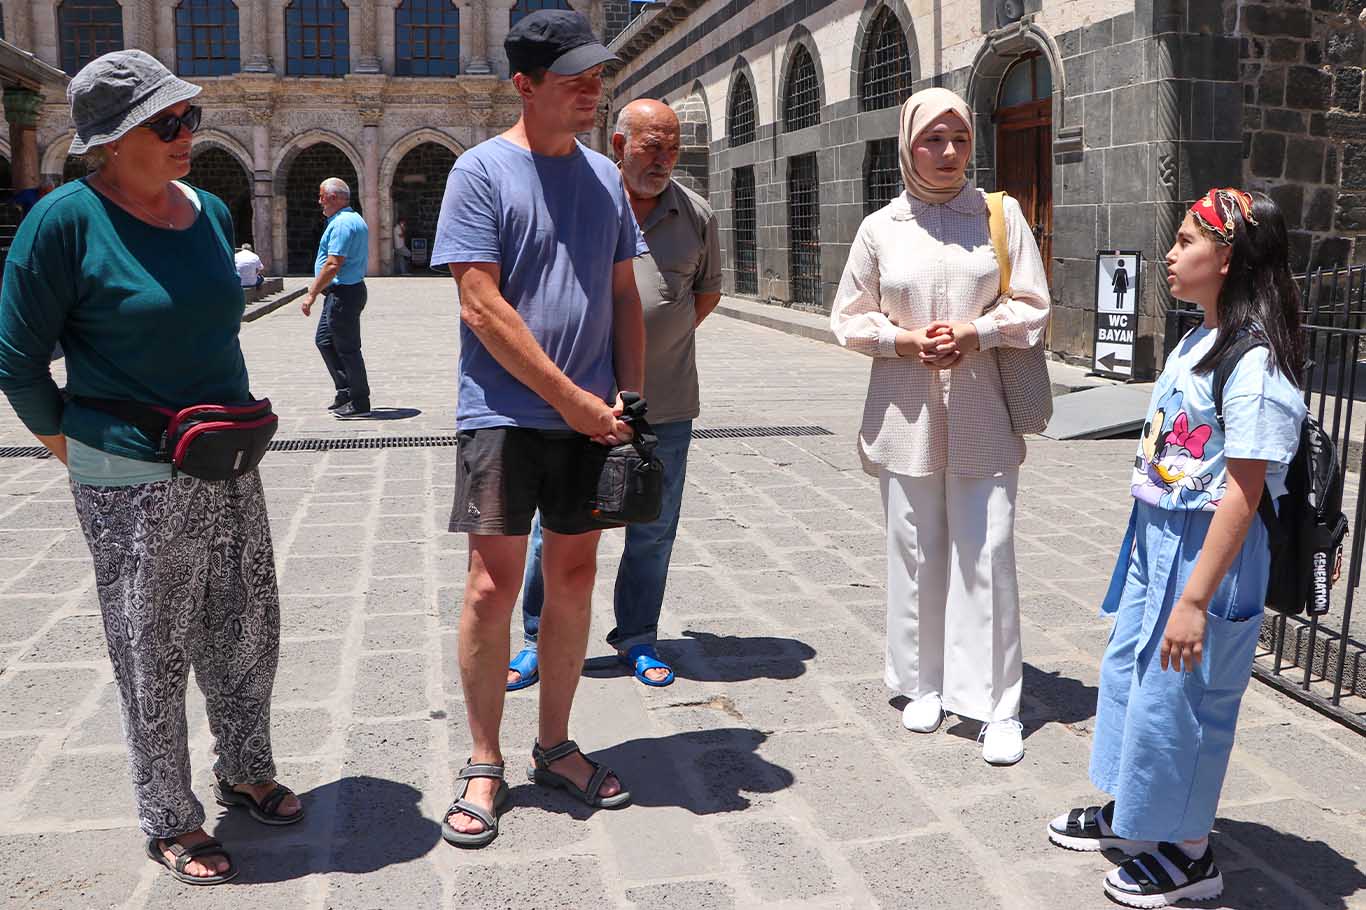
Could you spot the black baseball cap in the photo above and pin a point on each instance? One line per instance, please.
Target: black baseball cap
(558, 40)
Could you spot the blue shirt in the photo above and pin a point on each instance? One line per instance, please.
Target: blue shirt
(555, 226)
(1180, 463)
(346, 235)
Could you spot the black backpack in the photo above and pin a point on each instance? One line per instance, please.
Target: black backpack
(1306, 533)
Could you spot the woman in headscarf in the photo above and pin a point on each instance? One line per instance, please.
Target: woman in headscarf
(917, 296)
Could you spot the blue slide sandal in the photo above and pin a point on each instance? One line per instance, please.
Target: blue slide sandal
(644, 657)
(524, 663)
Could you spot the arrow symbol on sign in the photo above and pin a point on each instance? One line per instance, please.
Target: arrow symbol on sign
(1110, 360)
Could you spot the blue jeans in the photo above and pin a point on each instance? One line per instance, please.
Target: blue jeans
(644, 568)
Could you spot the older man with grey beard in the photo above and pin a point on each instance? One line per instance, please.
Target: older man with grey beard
(680, 283)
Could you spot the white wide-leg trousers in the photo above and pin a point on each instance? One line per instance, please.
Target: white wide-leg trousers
(953, 605)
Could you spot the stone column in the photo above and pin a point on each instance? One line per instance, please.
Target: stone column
(256, 35)
(370, 112)
(369, 36)
(21, 112)
(474, 23)
(262, 186)
(481, 115)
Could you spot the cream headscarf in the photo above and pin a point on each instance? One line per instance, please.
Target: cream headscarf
(919, 111)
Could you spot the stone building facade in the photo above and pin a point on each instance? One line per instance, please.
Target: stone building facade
(383, 93)
(1104, 117)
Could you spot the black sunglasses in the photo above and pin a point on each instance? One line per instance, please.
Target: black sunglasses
(168, 128)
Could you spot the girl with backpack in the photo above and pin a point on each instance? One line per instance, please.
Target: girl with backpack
(1188, 588)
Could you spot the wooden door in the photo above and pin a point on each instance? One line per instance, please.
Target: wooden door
(1024, 167)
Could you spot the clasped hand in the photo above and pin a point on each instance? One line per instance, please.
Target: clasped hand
(938, 345)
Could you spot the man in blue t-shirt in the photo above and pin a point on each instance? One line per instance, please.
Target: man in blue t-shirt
(540, 237)
(339, 274)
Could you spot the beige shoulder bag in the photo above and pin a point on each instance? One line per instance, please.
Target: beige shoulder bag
(1024, 371)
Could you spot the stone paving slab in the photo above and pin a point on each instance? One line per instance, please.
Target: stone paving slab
(774, 772)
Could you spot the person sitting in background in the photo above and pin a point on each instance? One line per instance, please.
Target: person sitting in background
(250, 270)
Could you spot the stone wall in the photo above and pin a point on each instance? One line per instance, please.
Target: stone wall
(1304, 126)
(692, 170)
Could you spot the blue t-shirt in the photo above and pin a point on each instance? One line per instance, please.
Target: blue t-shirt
(346, 235)
(555, 226)
(1180, 461)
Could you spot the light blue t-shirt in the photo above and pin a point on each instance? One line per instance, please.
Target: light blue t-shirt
(555, 226)
(1180, 461)
(346, 235)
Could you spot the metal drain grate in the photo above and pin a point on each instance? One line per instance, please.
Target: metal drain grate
(425, 442)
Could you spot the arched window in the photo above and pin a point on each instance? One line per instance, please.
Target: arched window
(317, 38)
(206, 38)
(881, 175)
(746, 221)
(804, 230)
(802, 94)
(87, 29)
(886, 64)
(523, 8)
(740, 115)
(427, 38)
(1028, 80)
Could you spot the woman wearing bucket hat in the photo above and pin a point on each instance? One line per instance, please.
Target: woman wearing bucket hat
(921, 276)
(133, 272)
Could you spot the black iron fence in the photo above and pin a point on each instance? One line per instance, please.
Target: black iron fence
(1321, 660)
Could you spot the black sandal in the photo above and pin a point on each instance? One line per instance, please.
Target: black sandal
(267, 811)
(1155, 887)
(184, 855)
(489, 819)
(541, 774)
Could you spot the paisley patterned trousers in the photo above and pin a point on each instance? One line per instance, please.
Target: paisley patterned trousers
(186, 578)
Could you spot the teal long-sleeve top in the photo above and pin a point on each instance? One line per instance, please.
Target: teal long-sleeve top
(143, 314)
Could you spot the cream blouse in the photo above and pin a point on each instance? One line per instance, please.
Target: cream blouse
(911, 264)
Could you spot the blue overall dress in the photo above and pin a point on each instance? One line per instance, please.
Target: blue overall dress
(1163, 738)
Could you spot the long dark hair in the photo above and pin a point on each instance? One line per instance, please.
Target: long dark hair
(1259, 295)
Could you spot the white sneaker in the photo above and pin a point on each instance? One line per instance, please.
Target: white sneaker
(1002, 742)
(924, 715)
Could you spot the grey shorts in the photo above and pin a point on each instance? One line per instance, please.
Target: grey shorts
(504, 475)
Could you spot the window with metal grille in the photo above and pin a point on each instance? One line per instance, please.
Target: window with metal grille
(206, 38)
(881, 175)
(427, 38)
(317, 38)
(523, 8)
(740, 117)
(802, 94)
(804, 229)
(886, 64)
(638, 7)
(746, 217)
(87, 29)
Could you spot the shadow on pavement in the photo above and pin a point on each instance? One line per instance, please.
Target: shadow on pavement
(376, 823)
(705, 772)
(1326, 874)
(387, 414)
(704, 657)
(1048, 698)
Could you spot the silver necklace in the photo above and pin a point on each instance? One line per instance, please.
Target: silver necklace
(133, 202)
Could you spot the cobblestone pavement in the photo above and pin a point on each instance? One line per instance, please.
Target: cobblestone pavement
(774, 772)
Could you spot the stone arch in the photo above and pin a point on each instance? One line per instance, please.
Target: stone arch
(740, 70)
(694, 157)
(862, 35)
(55, 155)
(215, 169)
(207, 139)
(1001, 49)
(799, 38)
(285, 157)
(427, 163)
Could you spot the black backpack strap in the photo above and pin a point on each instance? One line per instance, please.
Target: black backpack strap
(144, 417)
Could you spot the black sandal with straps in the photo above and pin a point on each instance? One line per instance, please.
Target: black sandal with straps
(488, 818)
(541, 774)
(267, 811)
(184, 855)
(1155, 886)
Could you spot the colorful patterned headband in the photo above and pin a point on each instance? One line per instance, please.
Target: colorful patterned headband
(1215, 211)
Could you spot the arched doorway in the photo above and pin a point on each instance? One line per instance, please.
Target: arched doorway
(1024, 145)
(417, 189)
(218, 172)
(303, 218)
(74, 169)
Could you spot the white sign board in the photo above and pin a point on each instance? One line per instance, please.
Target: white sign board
(1117, 291)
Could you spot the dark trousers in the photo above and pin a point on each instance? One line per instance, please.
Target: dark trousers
(338, 340)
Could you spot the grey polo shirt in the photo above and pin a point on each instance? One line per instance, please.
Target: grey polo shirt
(684, 261)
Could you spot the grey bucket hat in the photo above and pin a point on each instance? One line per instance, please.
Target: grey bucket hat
(114, 93)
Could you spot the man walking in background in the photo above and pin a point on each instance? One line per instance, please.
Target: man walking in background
(680, 283)
(339, 274)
